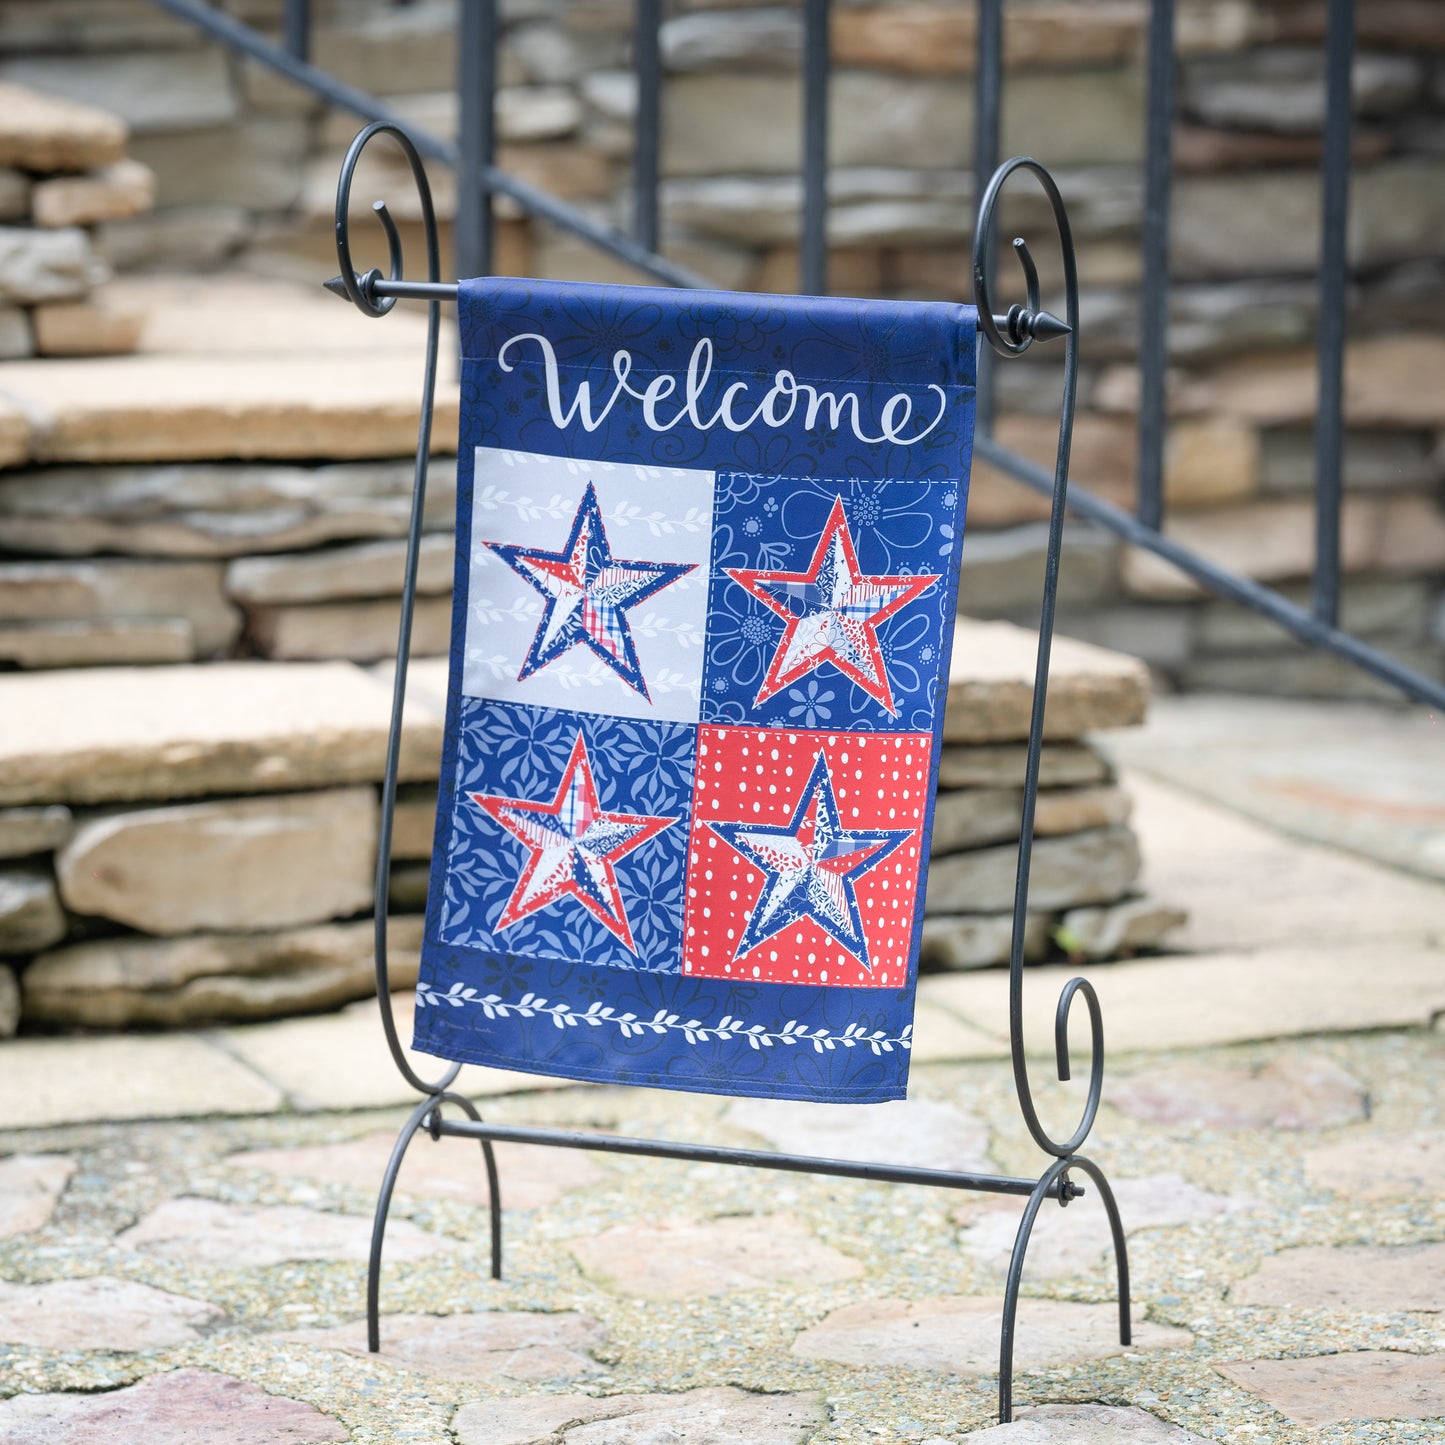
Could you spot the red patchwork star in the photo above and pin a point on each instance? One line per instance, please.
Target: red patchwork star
(832, 612)
(572, 847)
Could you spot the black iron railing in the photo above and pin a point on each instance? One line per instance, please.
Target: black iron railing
(1316, 624)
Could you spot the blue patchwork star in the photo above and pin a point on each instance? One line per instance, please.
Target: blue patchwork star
(587, 593)
(810, 865)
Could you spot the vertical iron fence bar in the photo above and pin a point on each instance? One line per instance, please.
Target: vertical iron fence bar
(476, 135)
(813, 271)
(1334, 277)
(1154, 243)
(987, 98)
(647, 61)
(296, 22)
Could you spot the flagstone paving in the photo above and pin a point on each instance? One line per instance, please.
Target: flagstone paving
(1382, 1165)
(923, 1132)
(678, 1260)
(1292, 1091)
(124, 1076)
(491, 1345)
(184, 1219)
(30, 1184)
(1075, 1241)
(1364, 778)
(1392, 1277)
(535, 1176)
(332, 1062)
(172, 1409)
(708, 1417)
(207, 1233)
(100, 1313)
(1084, 1425)
(958, 1335)
(1336, 1388)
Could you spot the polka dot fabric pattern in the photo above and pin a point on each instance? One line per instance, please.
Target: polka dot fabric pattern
(707, 563)
(771, 876)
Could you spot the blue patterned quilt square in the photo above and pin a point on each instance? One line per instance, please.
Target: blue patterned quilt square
(830, 602)
(528, 781)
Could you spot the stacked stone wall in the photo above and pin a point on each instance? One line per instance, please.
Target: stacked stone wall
(181, 844)
(63, 172)
(247, 165)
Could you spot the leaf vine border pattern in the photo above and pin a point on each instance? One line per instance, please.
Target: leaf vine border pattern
(632, 1025)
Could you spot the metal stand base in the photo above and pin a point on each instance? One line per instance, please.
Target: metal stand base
(1054, 1184)
(374, 295)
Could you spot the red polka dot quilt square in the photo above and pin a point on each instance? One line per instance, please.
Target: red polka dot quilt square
(707, 567)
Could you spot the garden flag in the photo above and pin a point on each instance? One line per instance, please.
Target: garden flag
(707, 561)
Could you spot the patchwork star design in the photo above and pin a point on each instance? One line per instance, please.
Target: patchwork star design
(587, 592)
(833, 612)
(572, 847)
(810, 865)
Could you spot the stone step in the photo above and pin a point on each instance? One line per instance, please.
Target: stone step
(45, 133)
(213, 509)
(120, 982)
(228, 367)
(92, 594)
(197, 879)
(991, 682)
(110, 735)
(1274, 541)
(63, 172)
(165, 408)
(112, 193)
(227, 865)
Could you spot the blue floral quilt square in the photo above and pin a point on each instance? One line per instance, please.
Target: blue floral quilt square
(529, 784)
(829, 602)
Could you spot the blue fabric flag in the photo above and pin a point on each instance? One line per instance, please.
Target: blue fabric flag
(707, 561)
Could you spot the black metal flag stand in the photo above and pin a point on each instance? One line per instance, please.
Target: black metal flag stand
(438, 1110)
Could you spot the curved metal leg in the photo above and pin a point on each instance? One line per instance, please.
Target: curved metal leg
(378, 1225)
(1121, 1248)
(1011, 1289)
(494, 1188)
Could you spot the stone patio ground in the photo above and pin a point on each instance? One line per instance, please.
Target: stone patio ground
(184, 1217)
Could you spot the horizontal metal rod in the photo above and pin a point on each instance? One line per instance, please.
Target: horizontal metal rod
(532, 199)
(1219, 580)
(1045, 325)
(406, 290)
(746, 1158)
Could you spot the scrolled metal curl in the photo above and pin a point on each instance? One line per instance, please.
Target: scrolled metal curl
(359, 290)
(1011, 334)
